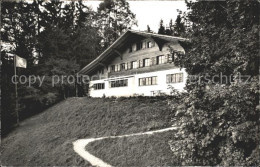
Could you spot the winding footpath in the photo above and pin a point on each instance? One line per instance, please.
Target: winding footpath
(79, 146)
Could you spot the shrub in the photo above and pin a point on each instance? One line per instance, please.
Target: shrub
(218, 126)
(219, 122)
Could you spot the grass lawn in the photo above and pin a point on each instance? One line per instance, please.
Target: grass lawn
(46, 139)
(145, 150)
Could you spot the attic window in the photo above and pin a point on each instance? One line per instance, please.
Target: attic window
(130, 49)
(113, 68)
(101, 71)
(149, 44)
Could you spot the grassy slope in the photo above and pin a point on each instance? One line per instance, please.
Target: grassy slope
(145, 150)
(46, 139)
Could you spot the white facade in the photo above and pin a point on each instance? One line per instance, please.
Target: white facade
(137, 63)
(133, 87)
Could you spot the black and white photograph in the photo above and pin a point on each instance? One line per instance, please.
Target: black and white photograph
(130, 83)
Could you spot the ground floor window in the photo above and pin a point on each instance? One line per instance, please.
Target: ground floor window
(118, 83)
(174, 78)
(147, 81)
(99, 86)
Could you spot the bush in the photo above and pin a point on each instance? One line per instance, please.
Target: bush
(33, 101)
(218, 126)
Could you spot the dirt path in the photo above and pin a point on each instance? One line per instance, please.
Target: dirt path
(79, 146)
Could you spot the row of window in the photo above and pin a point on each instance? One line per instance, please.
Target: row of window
(170, 78)
(147, 81)
(99, 86)
(143, 63)
(174, 78)
(118, 83)
(141, 45)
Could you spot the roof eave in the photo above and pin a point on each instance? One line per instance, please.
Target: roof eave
(95, 62)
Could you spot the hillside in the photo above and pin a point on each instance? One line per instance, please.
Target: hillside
(46, 139)
(142, 150)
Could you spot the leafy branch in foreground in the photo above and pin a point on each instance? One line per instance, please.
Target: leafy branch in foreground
(220, 120)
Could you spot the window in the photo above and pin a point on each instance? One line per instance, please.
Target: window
(144, 44)
(99, 86)
(118, 83)
(139, 46)
(174, 78)
(133, 47)
(122, 66)
(146, 62)
(101, 71)
(149, 44)
(133, 65)
(160, 59)
(130, 49)
(147, 81)
(113, 68)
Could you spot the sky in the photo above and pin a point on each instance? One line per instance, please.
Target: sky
(151, 12)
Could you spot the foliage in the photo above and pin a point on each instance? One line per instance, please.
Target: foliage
(219, 128)
(56, 38)
(114, 17)
(161, 28)
(178, 29)
(219, 120)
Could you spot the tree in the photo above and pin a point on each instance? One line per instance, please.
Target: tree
(113, 18)
(178, 27)
(59, 36)
(161, 28)
(219, 117)
(148, 28)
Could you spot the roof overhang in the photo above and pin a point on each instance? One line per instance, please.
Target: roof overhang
(120, 41)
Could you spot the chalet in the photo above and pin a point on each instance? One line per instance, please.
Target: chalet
(137, 63)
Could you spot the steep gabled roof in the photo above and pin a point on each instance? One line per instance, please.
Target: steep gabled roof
(88, 68)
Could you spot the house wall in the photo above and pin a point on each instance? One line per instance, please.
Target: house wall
(139, 55)
(133, 75)
(133, 87)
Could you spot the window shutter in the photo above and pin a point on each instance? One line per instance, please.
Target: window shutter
(157, 60)
(151, 61)
(168, 78)
(166, 59)
(181, 77)
(170, 58)
(140, 63)
(128, 65)
(174, 56)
